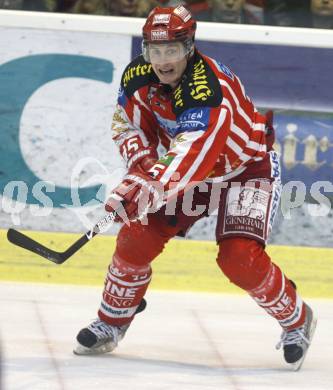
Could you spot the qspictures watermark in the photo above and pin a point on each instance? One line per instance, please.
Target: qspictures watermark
(293, 195)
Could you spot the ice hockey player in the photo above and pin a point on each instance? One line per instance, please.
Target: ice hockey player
(214, 138)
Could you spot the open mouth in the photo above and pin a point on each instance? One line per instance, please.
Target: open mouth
(165, 72)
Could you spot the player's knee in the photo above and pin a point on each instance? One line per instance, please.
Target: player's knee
(243, 261)
(139, 244)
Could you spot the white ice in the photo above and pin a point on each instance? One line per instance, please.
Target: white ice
(186, 341)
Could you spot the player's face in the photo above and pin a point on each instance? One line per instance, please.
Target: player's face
(168, 61)
(322, 7)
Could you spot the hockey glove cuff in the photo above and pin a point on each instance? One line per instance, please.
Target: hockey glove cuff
(142, 160)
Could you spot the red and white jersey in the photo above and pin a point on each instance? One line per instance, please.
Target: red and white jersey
(208, 125)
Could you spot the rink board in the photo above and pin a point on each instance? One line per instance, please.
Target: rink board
(184, 265)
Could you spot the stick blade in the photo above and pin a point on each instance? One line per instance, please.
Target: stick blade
(19, 239)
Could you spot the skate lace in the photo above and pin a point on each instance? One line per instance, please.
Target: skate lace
(294, 336)
(104, 331)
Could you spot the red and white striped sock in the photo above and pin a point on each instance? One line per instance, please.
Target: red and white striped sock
(277, 295)
(125, 286)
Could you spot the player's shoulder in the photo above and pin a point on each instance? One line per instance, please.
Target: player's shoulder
(137, 74)
(221, 70)
(200, 86)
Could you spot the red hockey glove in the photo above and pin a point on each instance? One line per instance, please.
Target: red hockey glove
(142, 160)
(134, 197)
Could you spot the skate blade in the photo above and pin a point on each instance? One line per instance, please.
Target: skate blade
(80, 350)
(297, 366)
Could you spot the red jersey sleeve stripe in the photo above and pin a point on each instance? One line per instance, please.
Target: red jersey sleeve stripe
(232, 106)
(234, 146)
(240, 110)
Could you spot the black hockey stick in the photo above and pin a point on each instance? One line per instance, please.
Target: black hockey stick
(20, 239)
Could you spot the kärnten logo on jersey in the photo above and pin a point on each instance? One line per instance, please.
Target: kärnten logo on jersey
(136, 71)
(194, 119)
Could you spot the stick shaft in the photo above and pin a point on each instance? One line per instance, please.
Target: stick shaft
(19, 239)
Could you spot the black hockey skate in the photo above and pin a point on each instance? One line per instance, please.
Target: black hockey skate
(296, 342)
(100, 337)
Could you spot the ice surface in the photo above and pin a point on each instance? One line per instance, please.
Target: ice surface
(182, 341)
